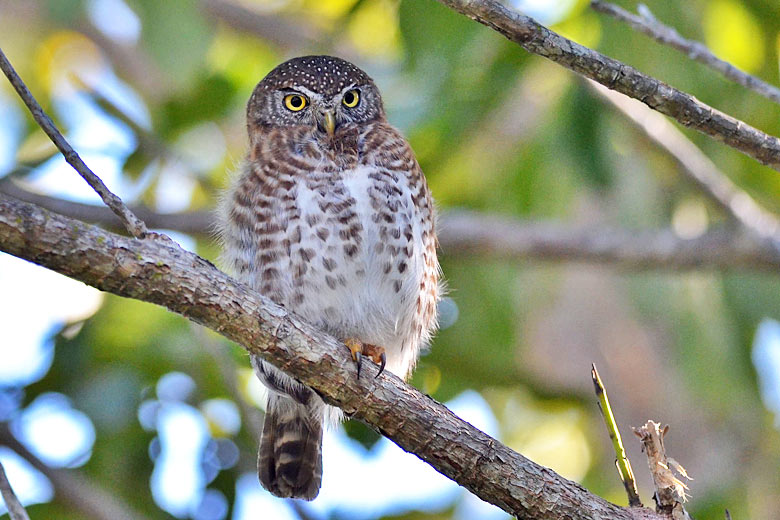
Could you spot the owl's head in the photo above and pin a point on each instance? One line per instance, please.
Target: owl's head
(322, 92)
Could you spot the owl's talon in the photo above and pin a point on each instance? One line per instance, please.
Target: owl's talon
(377, 355)
(382, 363)
(358, 349)
(355, 348)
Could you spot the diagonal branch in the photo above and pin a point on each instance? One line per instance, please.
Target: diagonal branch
(611, 73)
(15, 509)
(133, 224)
(72, 487)
(158, 272)
(697, 166)
(621, 460)
(648, 24)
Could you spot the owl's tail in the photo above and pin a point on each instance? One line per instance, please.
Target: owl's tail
(289, 462)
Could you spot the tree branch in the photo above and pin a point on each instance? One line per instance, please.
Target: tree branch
(464, 233)
(198, 222)
(503, 237)
(133, 224)
(270, 28)
(611, 73)
(670, 492)
(158, 272)
(648, 24)
(697, 166)
(72, 487)
(15, 509)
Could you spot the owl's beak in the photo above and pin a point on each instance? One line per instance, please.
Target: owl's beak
(327, 121)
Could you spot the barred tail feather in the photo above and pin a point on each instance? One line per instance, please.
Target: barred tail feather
(289, 462)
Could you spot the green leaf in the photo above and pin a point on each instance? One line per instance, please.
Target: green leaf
(176, 35)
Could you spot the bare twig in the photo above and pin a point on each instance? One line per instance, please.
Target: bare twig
(200, 222)
(615, 75)
(149, 270)
(133, 224)
(670, 492)
(648, 24)
(15, 509)
(72, 487)
(697, 166)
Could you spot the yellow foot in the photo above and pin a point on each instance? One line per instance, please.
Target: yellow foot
(372, 352)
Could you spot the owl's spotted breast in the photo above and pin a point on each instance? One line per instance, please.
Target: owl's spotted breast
(348, 249)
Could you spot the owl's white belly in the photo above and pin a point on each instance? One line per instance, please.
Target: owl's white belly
(364, 276)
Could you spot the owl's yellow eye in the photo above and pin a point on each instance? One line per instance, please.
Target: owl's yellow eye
(295, 102)
(351, 99)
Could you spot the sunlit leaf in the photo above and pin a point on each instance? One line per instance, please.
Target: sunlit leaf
(373, 28)
(733, 34)
(64, 53)
(243, 61)
(327, 10)
(584, 29)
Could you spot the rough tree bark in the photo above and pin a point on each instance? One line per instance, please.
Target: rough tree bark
(157, 271)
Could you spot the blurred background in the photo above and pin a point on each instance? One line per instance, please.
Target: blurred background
(112, 408)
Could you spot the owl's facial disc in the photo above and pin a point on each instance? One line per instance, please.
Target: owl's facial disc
(326, 95)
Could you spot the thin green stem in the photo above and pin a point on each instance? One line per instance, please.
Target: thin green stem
(621, 461)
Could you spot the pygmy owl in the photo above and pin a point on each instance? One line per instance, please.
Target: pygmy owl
(331, 217)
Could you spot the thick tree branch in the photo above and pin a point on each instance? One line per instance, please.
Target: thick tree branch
(133, 224)
(648, 24)
(464, 233)
(615, 75)
(158, 272)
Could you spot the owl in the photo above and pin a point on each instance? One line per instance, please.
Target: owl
(330, 216)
